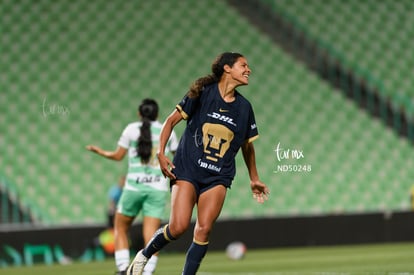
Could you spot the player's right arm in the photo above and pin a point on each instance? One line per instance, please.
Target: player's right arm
(165, 163)
(118, 154)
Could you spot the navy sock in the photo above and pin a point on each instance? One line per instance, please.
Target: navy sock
(160, 239)
(195, 255)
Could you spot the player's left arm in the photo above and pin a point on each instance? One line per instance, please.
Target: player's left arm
(167, 128)
(259, 189)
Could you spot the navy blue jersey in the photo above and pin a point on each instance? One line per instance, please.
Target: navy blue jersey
(215, 132)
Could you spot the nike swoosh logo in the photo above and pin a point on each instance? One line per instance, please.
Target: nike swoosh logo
(223, 110)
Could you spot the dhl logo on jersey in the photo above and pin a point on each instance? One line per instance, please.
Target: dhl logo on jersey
(223, 118)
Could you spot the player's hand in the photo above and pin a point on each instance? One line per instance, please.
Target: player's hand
(260, 191)
(93, 148)
(166, 165)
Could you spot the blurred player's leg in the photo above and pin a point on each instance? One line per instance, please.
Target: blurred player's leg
(122, 224)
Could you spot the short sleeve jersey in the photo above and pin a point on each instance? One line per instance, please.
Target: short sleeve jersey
(215, 132)
(148, 174)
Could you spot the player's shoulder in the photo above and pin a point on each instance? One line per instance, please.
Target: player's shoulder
(209, 90)
(243, 101)
(135, 124)
(132, 127)
(209, 86)
(156, 124)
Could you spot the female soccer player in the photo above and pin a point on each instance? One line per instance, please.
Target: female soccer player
(219, 121)
(145, 187)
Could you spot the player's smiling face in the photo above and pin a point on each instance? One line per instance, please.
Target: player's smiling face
(240, 71)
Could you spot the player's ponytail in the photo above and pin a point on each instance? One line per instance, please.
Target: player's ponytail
(217, 69)
(148, 110)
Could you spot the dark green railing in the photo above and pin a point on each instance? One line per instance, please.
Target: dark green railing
(12, 209)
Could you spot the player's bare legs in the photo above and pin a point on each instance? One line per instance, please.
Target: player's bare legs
(150, 225)
(209, 207)
(183, 199)
(122, 225)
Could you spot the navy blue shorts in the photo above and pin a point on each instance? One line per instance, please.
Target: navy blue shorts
(203, 185)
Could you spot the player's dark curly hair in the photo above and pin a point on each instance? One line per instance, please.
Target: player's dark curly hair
(148, 110)
(217, 69)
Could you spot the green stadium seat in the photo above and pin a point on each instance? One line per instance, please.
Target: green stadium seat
(100, 71)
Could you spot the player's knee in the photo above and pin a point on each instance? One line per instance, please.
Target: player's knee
(202, 232)
(177, 229)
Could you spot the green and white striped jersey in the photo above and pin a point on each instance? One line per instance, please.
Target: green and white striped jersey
(139, 173)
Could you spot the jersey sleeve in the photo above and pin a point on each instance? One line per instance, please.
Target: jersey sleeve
(124, 139)
(252, 131)
(187, 106)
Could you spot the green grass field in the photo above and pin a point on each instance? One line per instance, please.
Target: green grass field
(378, 259)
